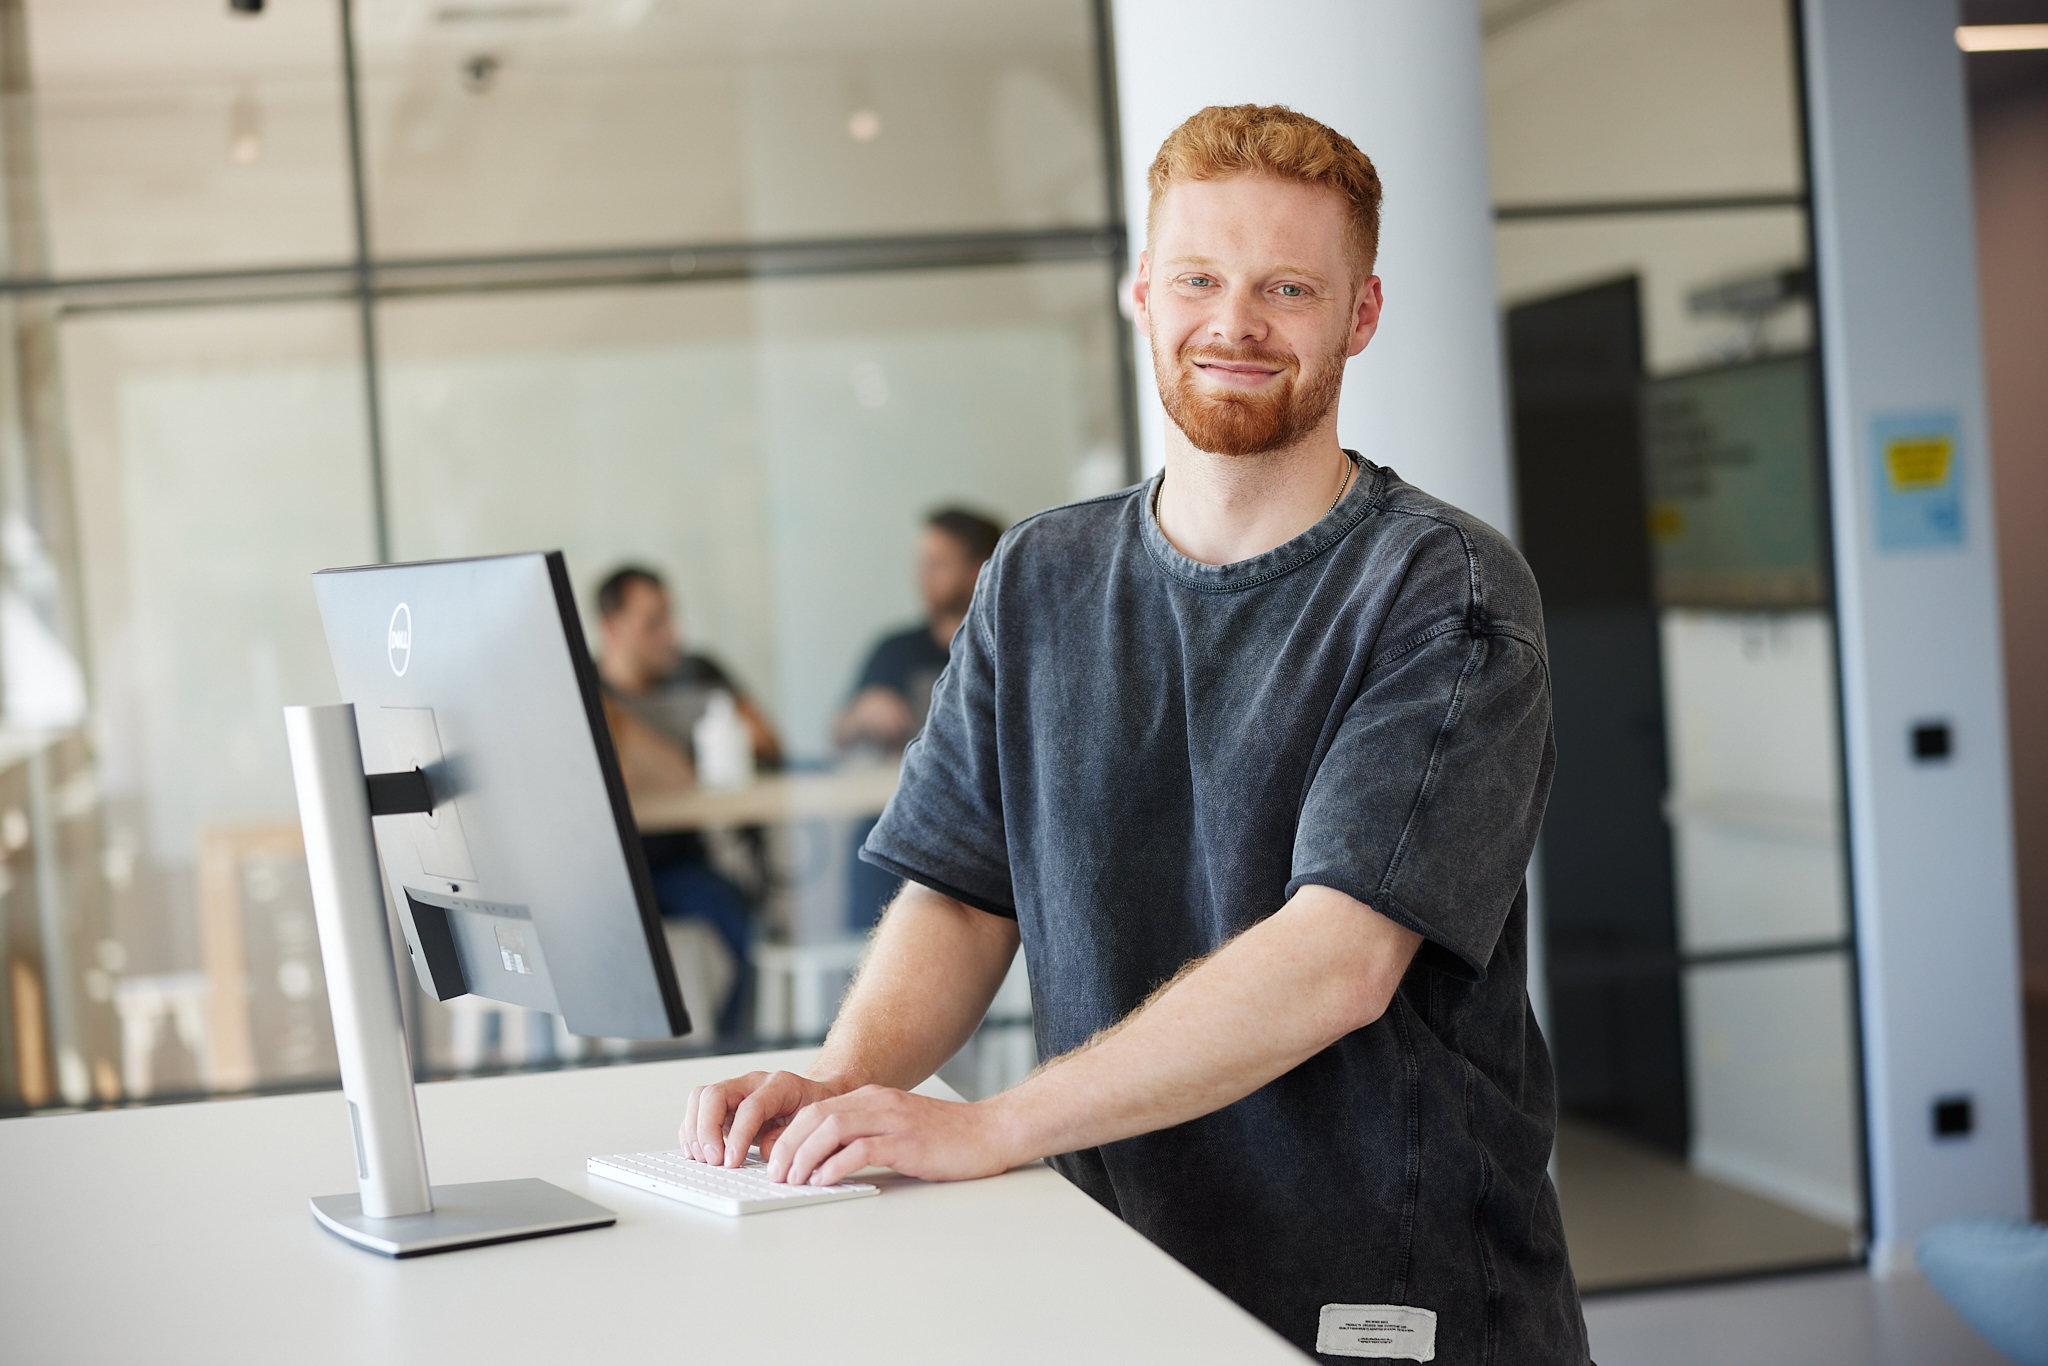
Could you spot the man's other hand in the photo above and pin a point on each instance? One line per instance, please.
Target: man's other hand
(724, 1118)
(878, 1126)
(877, 714)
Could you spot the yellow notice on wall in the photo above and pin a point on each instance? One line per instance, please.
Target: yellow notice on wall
(1917, 464)
(1667, 523)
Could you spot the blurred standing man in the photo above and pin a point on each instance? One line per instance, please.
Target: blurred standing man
(894, 693)
(1250, 759)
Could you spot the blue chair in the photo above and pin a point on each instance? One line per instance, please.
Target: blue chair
(1994, 1274)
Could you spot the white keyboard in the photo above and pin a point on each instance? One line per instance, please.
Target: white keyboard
(722, 1190)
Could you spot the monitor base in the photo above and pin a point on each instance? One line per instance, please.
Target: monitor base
(467, 1215)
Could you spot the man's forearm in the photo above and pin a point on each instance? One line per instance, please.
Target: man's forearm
(927, 981)
(1268, 1001)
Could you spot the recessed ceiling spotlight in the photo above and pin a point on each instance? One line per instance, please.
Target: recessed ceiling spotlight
(864, 125)
(480, 73)
(2002, 37)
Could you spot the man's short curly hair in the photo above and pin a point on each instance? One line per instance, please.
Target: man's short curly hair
(1271, 139)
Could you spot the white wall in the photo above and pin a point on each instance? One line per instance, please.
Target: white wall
(1401, 79)
(1931, 843)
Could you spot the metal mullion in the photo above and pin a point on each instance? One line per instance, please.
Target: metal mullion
(1565, 968)
(366, 301)
(1113, 184)
(680, 263)
(1623, 208)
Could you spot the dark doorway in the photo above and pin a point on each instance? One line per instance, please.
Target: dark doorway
(1610, 927)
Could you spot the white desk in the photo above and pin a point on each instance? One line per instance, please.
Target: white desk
(181, 1234)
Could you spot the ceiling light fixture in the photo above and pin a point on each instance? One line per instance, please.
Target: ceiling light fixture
(2002, 37)
(864, 125)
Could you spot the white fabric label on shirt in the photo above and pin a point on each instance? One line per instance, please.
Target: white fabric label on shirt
(1377, 1330)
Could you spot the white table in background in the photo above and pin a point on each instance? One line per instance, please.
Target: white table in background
(856, 790)
(181, 1234)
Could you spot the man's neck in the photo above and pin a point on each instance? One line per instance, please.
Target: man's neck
(942, 626)
(622, 676)
(1219, 509)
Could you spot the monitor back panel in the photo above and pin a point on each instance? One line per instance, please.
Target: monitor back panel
(525, 884)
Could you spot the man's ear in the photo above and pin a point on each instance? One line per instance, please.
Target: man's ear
(1141, 294)
(1365, 314)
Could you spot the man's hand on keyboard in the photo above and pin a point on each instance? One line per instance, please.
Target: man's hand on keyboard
(879, 1126)
(722, 1119)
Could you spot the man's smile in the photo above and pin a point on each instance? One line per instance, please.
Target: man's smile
(1242, 368)
(1240, 374)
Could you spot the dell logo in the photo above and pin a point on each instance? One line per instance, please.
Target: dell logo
(398, 640)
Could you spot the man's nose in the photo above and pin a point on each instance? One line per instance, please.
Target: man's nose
(1238, 317)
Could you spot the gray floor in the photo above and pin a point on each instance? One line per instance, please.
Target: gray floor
(1836, 1318)
(1635, 1215)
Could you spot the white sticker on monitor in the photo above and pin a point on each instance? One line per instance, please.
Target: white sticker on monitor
(1387, 1331)
(512, 950)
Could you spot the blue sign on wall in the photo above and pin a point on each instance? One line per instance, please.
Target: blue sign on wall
(1917, 477)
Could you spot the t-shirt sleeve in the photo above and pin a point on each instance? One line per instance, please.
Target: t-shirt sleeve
(877, 671)
(943, 828)
(1427, 804)
(705, 672)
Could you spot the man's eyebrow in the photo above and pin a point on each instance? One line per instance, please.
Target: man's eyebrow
(1313, 276)
(1209, 263)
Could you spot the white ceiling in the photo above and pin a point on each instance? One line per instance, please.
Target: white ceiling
(101, 42)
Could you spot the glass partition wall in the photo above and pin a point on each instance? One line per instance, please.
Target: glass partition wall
(741, 293)
(1699, 983)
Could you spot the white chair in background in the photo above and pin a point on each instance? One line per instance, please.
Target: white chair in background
(145, 1002)
(797, 986)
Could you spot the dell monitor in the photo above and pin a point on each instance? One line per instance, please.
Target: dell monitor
(472, 737)
(525, 883)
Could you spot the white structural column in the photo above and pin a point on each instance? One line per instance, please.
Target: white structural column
(1930, 837)
(1401, 78)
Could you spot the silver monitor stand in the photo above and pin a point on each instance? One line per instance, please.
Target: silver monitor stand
(394, 1210)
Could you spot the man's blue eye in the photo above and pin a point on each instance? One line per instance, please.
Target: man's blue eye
(1292, 291)
(1198, 280)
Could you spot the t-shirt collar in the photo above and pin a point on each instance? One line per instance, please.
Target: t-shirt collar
(1359, 501)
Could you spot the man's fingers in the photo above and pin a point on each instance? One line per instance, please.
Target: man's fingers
(686, 1132)
(862, 1152)
(712, 1108)
(790, 1141)
(775, 1097)
(832, 1133)
(770, 1134)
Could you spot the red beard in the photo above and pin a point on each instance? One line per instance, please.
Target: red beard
(1247, 424)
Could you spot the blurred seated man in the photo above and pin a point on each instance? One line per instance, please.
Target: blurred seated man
(654, 695)
(895, 689)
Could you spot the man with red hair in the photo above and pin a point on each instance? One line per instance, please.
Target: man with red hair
(1250, 759)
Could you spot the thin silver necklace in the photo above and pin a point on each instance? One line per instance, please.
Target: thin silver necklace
(1350, 468)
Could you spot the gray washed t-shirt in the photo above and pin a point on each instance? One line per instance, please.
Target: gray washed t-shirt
(1138, 756)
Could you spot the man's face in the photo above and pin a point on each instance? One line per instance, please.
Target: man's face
(1249, 300)
(945, 573)
(642, 633)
